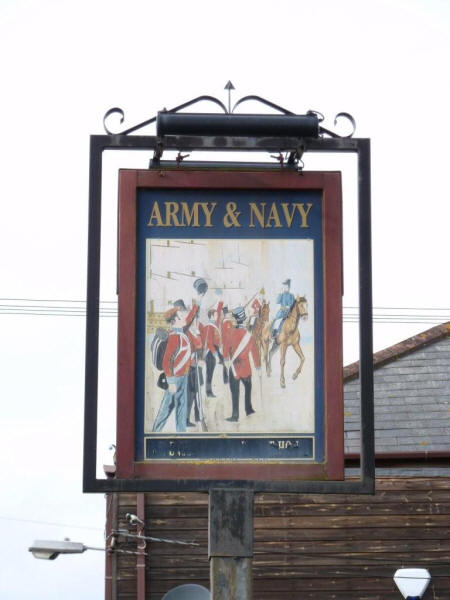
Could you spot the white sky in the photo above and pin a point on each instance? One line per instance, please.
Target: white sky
(64, 63)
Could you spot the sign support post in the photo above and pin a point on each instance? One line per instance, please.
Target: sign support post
(230, 540)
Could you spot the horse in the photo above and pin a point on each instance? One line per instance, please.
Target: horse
(288, 336)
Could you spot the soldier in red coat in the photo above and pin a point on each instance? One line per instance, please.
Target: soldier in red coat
(237, 350)
(226, 325)
(195, 375)
(176, 365)
(211, 346)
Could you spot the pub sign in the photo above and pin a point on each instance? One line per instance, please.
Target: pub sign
(230, 326)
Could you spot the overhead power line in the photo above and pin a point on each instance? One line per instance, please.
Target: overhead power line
(52, 300)
(108, 308)
(36, 522)
(421, 308)
(53, 307)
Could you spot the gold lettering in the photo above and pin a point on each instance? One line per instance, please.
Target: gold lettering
(304, 213)
(232, 216)
(191, 217)
(259, 214)
(289, 216)
(208, 209)
(273, 216)
(171, 214)
(156, 214)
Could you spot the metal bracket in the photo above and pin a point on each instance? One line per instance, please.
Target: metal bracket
(295, 157)
(180, 157)
(158, 152)
(295, 146)
(228, 112)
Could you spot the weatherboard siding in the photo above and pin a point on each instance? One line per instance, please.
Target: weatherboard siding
(331, 547)
(318, 547)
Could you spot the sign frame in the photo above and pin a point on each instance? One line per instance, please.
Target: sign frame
(365, 484)
(328, 186)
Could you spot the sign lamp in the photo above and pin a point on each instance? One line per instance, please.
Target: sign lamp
(412, 583)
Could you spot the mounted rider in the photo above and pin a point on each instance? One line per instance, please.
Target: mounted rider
(286, 300)
(256, 312)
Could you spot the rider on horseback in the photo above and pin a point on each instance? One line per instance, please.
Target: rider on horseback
(286, 300)
(256, 308)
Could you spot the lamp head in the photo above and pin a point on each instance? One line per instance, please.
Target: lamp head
(49, 549)
(412, 583)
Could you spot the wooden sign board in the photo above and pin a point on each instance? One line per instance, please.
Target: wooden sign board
(230, 326)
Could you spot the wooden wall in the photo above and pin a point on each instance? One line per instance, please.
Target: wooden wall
(313, 547)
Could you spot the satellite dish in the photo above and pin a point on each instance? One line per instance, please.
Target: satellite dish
(412, 583)
(189, 591)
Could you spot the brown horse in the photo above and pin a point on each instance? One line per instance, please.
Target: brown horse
(259, 326)
(288, 336)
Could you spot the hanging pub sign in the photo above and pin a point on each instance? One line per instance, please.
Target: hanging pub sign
(230, 325)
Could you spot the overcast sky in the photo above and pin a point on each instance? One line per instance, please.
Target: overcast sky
(64, 63)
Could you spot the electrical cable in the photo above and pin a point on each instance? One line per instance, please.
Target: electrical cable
(49, 523)
(152, 539)
(111, 311)
(115, 302)
(108, 308)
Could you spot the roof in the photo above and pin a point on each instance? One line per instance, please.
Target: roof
(396, 351)
(412, 396)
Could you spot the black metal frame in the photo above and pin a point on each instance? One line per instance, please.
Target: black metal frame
(296, 146)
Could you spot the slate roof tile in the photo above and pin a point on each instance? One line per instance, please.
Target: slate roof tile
(412, 395)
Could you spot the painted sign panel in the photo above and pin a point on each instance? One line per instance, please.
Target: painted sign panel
(230, 321)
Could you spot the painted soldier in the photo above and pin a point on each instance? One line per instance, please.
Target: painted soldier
(195, 375)
(240, 344)
(285, 299)
(211, 347)
(225, 326)
(256, 307)
(176, 365)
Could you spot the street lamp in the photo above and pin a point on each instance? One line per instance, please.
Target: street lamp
(49, 549)
(412, 583)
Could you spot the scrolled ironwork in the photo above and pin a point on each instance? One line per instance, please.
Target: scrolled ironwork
(345, 115)
(350, 118)
(119, 111)
(207, 98)
(263, 101)
(108, 113)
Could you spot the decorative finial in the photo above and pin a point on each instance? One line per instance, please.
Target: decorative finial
(229, 86)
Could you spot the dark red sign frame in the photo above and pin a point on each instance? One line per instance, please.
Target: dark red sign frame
(191, 473)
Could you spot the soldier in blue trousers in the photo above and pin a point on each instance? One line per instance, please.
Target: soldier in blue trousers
(285, 299)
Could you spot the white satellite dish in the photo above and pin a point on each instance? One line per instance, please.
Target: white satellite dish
(189, 591)
(412, 583)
